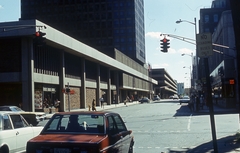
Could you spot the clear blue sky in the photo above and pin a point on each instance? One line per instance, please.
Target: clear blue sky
(160, 17)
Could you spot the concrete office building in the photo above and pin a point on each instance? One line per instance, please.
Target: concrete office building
(105, 25)
(29, 73)
(166, 85)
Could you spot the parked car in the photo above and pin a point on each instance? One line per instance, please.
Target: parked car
(32, 117)
(83, 131)
(175, 97)
(184, 99)
(156, 97)
(144, 100)
(15, 132)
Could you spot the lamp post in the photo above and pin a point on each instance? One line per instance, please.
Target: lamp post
(193, 23)
(190, 75)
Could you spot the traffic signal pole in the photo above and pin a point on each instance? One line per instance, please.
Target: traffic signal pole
(210, 105)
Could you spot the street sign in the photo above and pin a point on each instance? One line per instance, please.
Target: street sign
(204, 45)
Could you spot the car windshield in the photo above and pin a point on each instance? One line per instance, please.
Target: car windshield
(16, 109)
(185, 97)
(10, 108)
(88, 124)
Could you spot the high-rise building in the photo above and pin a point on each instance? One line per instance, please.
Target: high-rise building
(102, 24)
(217, 20)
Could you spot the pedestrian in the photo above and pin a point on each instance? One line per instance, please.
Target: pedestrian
(127, 100)
(94, 105)
(57, 105)
(101, 101)
(191, 103)
(197, 103)
(201, 102)
(132, 98)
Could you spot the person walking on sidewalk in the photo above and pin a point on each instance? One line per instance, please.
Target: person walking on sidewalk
(94, 105)
(101, 102)
(191, 103)
(126, 100)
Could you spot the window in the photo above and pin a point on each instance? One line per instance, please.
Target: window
(120, 125)
(215, 17)
(206, 18)
(206, 30)
(6, 123)
(112, 129)
(18, 122)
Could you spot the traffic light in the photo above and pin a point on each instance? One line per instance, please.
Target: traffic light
(39, 39)
(164, 45)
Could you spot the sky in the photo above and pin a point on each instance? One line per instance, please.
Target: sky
(160, 17)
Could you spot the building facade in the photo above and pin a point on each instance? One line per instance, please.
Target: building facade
(222, 64)
(102, 24)
(166, 85)
(30, 73)
(180, 89)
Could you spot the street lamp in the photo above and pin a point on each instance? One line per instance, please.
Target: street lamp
(193, 23)
(190, 75)
(188, 54)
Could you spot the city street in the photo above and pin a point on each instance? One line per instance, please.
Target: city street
(170, 127)
(167, 126)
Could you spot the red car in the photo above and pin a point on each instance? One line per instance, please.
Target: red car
(83, 132)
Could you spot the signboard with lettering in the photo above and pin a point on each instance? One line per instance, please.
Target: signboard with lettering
(204, 45)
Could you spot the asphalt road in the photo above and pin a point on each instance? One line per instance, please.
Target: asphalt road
(167, 126)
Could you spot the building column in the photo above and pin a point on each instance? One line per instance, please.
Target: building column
(27, 75)
(62, 82)
(83, 85)
(117, 87)
(98, 90)
(109, 98)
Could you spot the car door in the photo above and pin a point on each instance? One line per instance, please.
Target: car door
(7, 133)
(23, 131)
(125, 134)
(115, 140)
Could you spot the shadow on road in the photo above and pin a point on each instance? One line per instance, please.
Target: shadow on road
(185, 111)
(225, 144)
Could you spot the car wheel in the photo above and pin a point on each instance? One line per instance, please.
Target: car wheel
(4, 149)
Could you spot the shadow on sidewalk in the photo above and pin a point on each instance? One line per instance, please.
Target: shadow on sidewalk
(225, 144)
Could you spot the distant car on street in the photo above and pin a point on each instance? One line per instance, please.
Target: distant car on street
(184, 99)
(15, 132)
(175, 97)
(156, 98)
(144, 100)
(32, 117)
(83, 132)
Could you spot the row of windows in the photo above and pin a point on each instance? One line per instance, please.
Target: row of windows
(208, 18)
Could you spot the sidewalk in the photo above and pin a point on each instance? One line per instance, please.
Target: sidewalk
(226, 144)
(217, 110)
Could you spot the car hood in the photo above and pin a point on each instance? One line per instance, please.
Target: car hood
(61, 138)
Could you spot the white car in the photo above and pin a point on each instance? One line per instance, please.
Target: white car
(15, 132)
(32, 117)
(184, 99)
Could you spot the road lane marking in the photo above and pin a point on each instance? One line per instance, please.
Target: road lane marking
(189, 123)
